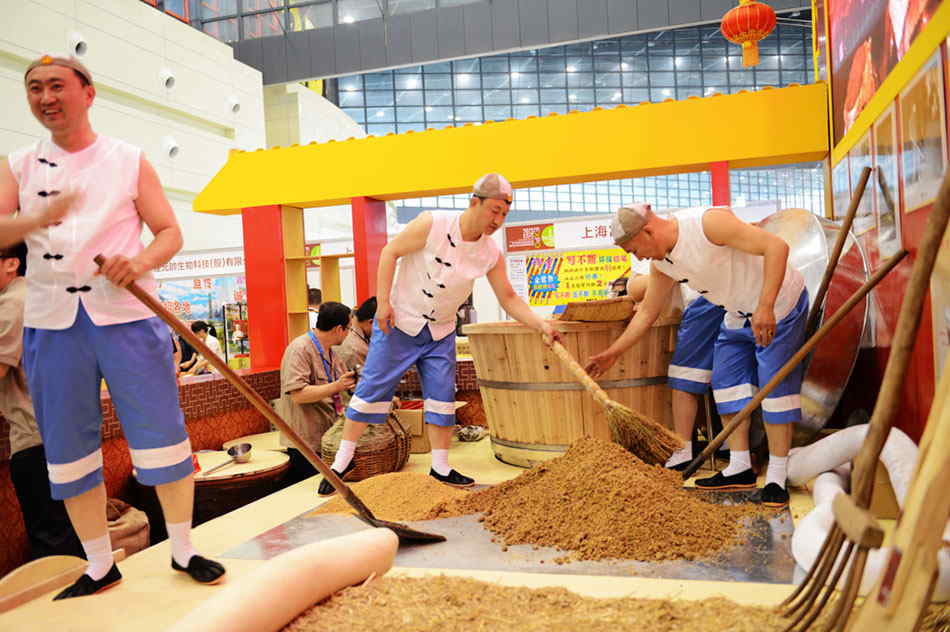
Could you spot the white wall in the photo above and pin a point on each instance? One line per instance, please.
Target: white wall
(294, 114)
(129, 45)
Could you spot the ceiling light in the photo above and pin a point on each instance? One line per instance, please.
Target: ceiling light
(525, 99)
(625, 66)
(348, 19)
(380, 113)
(428, 108)
(571, 69)
(515, 75)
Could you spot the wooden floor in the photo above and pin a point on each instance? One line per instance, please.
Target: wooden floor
(152, 597)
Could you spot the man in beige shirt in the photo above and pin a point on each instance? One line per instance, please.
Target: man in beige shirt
(47, 525)
(312, 377)
(355, 346)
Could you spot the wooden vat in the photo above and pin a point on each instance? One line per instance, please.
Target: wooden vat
(534, 406)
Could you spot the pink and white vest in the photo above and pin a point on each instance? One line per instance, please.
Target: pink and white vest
(60, 266)
(433, 282)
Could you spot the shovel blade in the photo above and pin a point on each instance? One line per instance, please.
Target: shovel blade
(407, 535)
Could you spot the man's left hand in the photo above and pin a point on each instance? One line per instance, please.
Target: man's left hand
(763, 325)
(599, 364)
(121, 270)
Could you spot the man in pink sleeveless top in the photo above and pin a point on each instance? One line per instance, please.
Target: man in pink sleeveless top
(80, 194)
(440, 255)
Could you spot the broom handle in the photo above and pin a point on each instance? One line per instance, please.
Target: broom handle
(815, 312)
(800, 355)
(580, 374)
(902, 347)
(250, 394)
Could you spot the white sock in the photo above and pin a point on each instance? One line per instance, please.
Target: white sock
(440, 462)
(99, 554)
(344, 455)
(179, 534)
(738, 462)
(682, 455)
(778, 470)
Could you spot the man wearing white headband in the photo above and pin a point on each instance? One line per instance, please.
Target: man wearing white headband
(80, 194)
(745, 270)
(440, 255)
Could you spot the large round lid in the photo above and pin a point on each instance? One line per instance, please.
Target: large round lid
(811, 239)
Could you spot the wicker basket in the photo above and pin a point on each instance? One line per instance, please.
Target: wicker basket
(383, 448)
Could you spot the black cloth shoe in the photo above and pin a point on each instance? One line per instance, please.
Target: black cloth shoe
(773, 495)
(679, 467)
(201, 569)
(719, 482)
(86, 585)
(453, 478)
(326, 488)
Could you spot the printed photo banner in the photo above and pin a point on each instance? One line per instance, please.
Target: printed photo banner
(583, 275)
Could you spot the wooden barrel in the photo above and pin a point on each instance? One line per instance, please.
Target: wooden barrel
(534, 406)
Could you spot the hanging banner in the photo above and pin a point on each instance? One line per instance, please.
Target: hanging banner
(583, 275)
(585, 233)
(203, 263)
(529, 237)
(868, 38)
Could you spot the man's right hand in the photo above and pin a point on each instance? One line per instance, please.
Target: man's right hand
(346, 381)
(57, 209)
(384, 317)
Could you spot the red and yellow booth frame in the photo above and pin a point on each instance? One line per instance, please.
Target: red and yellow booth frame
(271, 188)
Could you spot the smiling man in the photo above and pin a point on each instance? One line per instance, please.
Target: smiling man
(80, 194)
(440, 255)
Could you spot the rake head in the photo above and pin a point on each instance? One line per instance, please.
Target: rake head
(855, 527)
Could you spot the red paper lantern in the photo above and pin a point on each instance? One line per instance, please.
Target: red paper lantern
(746, 24)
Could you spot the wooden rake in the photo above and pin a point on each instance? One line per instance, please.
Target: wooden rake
(853, 525)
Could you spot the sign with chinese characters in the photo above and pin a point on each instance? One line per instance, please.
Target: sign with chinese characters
(588, 233)
(529, 237)
(202, 264)
(583, 275)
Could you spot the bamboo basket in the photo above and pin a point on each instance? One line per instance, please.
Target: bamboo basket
(606, 310)
(535, 407)
(385, 450)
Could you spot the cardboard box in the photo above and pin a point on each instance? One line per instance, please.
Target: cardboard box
(412, 419)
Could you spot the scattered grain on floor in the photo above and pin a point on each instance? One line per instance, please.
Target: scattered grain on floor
(599, 501)
(396, 496)
(455, 604)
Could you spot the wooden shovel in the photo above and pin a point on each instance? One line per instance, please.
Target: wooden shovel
(406, 534)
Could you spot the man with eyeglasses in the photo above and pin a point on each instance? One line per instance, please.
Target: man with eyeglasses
(80, 194)
(439, 254)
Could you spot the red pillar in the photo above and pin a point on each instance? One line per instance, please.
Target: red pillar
(369, 237)
(266, 287)
(720, 183)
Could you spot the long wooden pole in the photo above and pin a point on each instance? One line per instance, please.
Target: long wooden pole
(819, 297)
(902, 347)
(800, 355)
(250, 394)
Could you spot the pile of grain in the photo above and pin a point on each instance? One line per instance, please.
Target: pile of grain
(397, 496)
(454, 604)
(598, 501)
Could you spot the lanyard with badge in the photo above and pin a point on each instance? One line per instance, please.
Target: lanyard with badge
(328, 372)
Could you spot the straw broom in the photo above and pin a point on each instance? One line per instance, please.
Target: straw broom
(648, 439)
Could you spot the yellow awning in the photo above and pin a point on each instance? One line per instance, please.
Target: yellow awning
(768, 127)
